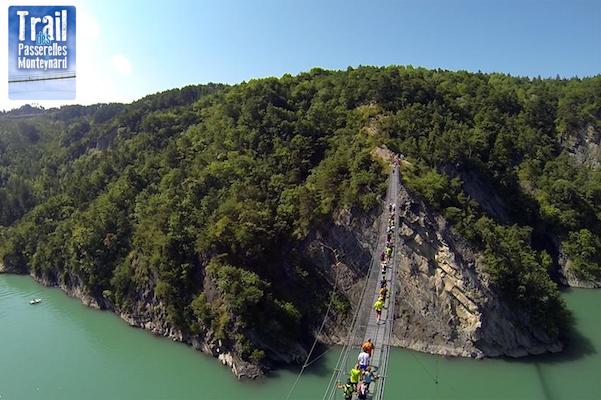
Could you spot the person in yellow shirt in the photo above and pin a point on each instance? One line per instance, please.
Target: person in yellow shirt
(355, 376)
(379, 306)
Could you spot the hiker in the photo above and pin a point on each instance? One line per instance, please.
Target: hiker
(369, 376)
(378, 306)
(384, 268)
(388, 251)
(383, 292)
(355, 374)
(368, 347)
(389, 207)
(347, 389)
(382, 256)
(362, 391)
(363, 359)
(383, 282)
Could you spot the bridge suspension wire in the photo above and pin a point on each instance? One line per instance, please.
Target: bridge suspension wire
(323, 323)
(348, 344)
(40, 77)
(342, 358)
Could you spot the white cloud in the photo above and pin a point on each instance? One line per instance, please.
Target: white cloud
(121, 64)
(87, 27)
(93, 86)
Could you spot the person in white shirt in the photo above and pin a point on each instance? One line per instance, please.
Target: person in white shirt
(363, 360)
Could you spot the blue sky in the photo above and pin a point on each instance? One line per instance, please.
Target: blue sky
(138, 47)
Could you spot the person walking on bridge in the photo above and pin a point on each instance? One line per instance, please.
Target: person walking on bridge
(383, 282)
(347, 389)
(361, 391)
(378, 306)
(369, 376)
(368, 347)
(383, 292)
(364, 360)
(355, 374)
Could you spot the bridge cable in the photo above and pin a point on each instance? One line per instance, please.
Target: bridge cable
(344, 353)
(323, 323)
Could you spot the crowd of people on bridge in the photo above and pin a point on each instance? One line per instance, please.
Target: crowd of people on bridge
(363, 373)
(385, 259)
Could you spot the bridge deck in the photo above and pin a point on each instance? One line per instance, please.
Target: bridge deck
(380, 332)
(366, 326)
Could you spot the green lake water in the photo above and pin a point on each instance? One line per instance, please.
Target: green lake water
(60, 349)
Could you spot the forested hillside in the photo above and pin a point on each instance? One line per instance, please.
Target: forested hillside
(195, 196)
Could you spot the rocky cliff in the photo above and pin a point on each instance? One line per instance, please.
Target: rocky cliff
(584, 145)
(149, 313)
(445, 304)
(343, 251)
(492, 202)
(569, 278)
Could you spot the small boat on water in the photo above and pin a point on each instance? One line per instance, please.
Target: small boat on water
(35, 301)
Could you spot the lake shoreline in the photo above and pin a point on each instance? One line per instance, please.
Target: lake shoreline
(113, 353)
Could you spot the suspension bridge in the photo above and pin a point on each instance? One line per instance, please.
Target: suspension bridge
(365, 323)
(40, 77)
(42, 86)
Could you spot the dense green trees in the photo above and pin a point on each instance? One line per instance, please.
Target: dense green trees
(203, 187)
(501, 136)
(584, 249)
(192, 198)
(521, 273)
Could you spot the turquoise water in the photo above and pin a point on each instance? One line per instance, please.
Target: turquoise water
(60, 349)
(573, 374)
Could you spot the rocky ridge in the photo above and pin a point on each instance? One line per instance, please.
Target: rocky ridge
(584, 145)
(444, 303)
